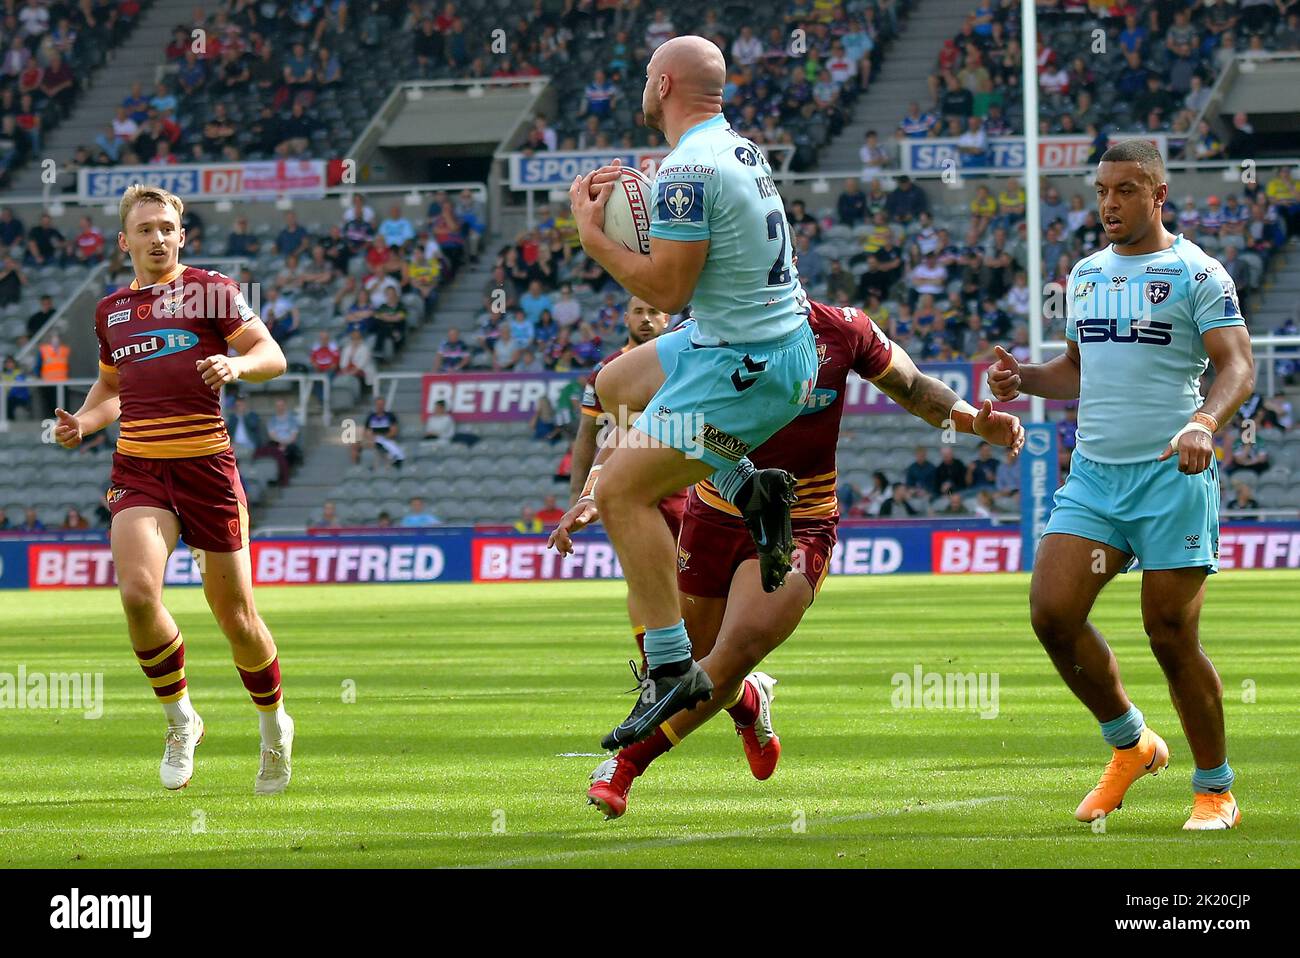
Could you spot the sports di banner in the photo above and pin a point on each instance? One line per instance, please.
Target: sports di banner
(1004, 153)
(1039, 472)
(252, 180)
(557, 170)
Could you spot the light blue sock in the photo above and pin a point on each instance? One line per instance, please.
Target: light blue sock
(730, 481)
(1213, 780)
(666, 645)
(1124, 730)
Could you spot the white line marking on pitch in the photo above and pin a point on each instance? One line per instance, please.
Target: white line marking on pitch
(739, 833)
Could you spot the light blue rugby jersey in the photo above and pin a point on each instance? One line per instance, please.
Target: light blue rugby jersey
(1138, 321)
(717, 185)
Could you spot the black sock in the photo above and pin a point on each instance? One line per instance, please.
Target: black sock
(671, 668)
(1130, 744)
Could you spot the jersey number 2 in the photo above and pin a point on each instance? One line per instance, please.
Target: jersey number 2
(779, 274)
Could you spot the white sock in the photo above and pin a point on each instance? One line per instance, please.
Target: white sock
(273, 724)
(180, 712)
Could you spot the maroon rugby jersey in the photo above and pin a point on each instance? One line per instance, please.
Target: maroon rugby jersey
(847, 339)
(153, 338)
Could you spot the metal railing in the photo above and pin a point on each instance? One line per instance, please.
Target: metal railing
(303, 381)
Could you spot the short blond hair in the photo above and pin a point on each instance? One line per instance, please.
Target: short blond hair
(138, 193)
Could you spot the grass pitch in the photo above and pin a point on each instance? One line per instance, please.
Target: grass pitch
(472, 700)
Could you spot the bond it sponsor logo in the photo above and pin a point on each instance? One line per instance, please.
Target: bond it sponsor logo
(724, 444)
(157, 344)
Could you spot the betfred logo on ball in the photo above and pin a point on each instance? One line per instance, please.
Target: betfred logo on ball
(627, 212)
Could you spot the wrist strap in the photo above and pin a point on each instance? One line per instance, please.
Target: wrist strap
(1205, 419)
(1192, 426)
(589, 487)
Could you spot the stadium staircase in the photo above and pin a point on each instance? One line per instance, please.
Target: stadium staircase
(328, 471)
(902, 78)
(136, 60)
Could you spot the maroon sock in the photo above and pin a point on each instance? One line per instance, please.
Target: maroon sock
(642, 753)
(745, 712)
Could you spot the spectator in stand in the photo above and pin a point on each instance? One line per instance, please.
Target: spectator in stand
(440, 428)
(281, 315)
(381, 432)
(907, 202)
(453, 354)
(873, 157)
(1244, 505)
(983, 471)
(397, 230)
(37, 320)
(293, 238)
(528, 523)
(248, 435)
(418, 515)
(550, 512)
(390, 324)
(241, 242)
(31, 522)
(89, 243)
(283, 429)
(16, 397)
(1007, 481)
(916, 124)
(954, 505)
(950, 474)
(922, 475)
(5, 525)
(897, 505)
(328, 518)
(600, 97)
(357, 359)
(852, 204)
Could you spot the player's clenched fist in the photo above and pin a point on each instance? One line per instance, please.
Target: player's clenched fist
(217, 370)
(1194, 446)
(67, 432)
(1004, 376)
(583, 514)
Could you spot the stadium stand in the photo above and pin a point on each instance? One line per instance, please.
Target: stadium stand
(380, 288)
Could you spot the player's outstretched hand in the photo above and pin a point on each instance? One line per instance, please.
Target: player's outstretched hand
(583, 514)
(216, 371)
(67, 432)
(999, 428)
(1004, 376)
(1195, 452)
(588, 213)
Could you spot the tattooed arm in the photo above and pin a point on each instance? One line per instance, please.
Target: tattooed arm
(927, 398)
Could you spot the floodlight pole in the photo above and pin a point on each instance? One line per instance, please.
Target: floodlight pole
(1033, 226)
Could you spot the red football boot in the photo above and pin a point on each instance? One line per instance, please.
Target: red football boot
(762, 747)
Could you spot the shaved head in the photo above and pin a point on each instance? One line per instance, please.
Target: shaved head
(684, 78)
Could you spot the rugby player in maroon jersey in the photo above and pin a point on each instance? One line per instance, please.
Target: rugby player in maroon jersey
(163, 358)
(732, 622)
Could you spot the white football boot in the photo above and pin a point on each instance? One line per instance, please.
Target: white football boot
(177, 766)
(275, 769)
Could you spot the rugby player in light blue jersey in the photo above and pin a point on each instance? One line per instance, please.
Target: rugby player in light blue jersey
(720, 242)
(1144, 317)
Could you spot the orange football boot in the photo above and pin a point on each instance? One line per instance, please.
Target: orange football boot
(1210, 812)
(1149, 756)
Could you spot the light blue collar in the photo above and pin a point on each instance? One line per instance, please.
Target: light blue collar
(714, 121)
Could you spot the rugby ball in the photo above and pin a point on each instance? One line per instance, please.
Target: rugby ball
(627, 211)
